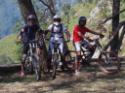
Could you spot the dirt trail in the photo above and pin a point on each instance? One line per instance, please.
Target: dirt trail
(64, 83)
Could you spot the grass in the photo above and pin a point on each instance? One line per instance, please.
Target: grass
(9, 51)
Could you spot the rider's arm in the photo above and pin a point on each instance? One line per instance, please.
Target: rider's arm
(19, 37)
(95, 33)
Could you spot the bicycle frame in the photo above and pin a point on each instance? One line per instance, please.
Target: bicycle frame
(55, 50)
(97, 49)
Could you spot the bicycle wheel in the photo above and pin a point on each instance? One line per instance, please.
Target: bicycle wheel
(55, 57)
(37, 69)
(110, 61)
(28, 66)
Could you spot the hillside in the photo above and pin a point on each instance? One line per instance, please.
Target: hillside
(9, 50)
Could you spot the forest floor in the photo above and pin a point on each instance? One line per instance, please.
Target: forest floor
(89, 81)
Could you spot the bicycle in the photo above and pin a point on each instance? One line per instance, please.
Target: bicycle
(56, 58)
(32, 60)
(105, 59)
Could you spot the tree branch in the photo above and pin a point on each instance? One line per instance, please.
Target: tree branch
(111, 17)
(44, 3)
(50, 6)
(114, 34)
(121, 37)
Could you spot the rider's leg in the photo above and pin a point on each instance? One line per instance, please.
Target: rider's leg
(77, 61)
(61, 47)
(50, 48)
(78, 56)
(25, 49)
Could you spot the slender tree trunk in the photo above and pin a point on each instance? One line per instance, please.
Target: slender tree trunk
(115, 23)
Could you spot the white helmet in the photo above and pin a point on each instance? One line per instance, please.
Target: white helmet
(56, 17)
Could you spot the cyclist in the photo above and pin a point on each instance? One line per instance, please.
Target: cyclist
(57, 29)
(27, 34)
(78, 36)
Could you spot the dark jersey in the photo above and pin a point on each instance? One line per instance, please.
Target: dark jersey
(28, 33)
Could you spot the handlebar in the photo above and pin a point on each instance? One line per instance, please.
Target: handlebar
(95, 38)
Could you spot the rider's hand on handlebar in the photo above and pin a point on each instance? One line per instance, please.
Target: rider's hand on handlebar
(18, 41)
(101, 36)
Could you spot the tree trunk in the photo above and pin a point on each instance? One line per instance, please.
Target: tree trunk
(27, 8)
(115, 23)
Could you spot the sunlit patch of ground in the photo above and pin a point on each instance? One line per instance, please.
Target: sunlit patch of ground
(87, 82)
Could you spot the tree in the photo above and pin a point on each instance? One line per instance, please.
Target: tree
(66, 9)
(115, 23)
(50, 4)
(26, 8)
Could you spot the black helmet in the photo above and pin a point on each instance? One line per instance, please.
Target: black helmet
(82, 21)
(31, 17)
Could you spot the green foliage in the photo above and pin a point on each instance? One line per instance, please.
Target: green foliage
(10, 52)
(122, 6)
(17, 27)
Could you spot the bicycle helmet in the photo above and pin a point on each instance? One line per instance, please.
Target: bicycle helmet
(57, 18)
(31, 17)
(82, 21)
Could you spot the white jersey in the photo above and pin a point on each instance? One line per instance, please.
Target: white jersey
(57, 30)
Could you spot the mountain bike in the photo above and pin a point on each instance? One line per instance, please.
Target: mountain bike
(95, 52)
(55, 58)
(32, 60)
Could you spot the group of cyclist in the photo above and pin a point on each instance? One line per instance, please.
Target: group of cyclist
(57, 29)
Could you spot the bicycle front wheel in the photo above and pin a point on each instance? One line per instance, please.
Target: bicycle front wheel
(37, 69)
(28, 66)
(110, 61)
(54, 60)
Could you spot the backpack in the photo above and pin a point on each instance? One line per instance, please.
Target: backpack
(60, 32)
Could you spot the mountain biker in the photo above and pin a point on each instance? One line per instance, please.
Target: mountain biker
(57, 29)
(27, 34)
(78, 36)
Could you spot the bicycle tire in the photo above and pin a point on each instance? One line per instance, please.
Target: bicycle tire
(37, 69)
(110, 59)
(54, 64)
(28, 66)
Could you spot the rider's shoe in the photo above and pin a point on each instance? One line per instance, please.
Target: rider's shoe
(77, 73)
(22, 74)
